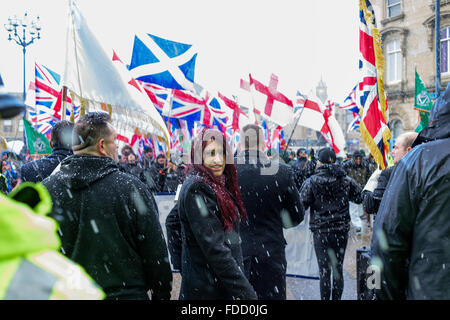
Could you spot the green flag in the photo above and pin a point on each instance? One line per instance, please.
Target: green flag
(37, 143)
(422, 103)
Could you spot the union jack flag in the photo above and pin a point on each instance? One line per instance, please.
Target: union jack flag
(350, 104)
(185, 105)
(277, 138)
(266, 134)
(299, 101)
(47, 110)
(374, 110)
(354, 125)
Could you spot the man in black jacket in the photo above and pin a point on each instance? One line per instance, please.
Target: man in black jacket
(272, 201)
(303, 168)
(109, 219)
(61, 143)
(158, 173)
(328, 193)
(147, 160)
(411, 238)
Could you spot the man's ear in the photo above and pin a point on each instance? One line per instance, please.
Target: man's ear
(101, 147)
(51, 144)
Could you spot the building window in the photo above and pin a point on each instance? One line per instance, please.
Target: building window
(393, 61)
(393, 8)
(7, 125)
(445, 39)
(20, 126)
(396, 128)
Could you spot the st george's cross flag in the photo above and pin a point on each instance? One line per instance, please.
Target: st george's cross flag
(319, 118)
(268, 101)
(374, 110)
(164, 62)
(238, 117)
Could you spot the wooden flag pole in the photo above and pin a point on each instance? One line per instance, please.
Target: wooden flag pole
(63, 103)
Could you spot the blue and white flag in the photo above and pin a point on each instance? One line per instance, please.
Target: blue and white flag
(166, 63)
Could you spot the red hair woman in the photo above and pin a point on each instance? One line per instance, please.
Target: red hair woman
(210, 210)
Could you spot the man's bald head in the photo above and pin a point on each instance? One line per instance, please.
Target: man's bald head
(403, 145)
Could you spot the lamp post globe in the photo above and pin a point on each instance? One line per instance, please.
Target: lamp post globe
(23, 32)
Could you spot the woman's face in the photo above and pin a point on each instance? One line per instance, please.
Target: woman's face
(214, 158)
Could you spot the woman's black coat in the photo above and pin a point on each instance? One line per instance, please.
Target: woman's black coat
(212, 266)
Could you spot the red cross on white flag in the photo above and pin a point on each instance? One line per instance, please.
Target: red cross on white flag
(269, 102)
(238, 119)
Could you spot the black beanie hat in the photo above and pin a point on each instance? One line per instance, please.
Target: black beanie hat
(161, 155)
(148, 149)
(326, 155)
(357, 154)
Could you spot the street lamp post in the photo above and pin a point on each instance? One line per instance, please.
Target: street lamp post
(23, 32)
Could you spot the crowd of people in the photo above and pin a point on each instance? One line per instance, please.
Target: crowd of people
(225, 231)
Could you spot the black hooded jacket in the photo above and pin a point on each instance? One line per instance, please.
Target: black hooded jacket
(372, 200)
(38, 170)
(411, 237)
(328, 193)
(109, 224)
(303, 169)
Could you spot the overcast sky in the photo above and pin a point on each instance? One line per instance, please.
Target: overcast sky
(301, 41)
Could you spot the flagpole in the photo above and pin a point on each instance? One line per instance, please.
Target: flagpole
(295, 127)
(437, 33)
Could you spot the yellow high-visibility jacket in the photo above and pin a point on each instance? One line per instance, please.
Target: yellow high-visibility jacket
(31, 267)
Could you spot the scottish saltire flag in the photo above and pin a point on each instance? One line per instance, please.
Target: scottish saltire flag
(48, 98)
(164, 62)
(372, 99)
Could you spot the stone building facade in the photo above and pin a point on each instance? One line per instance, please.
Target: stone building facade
(408, 37)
